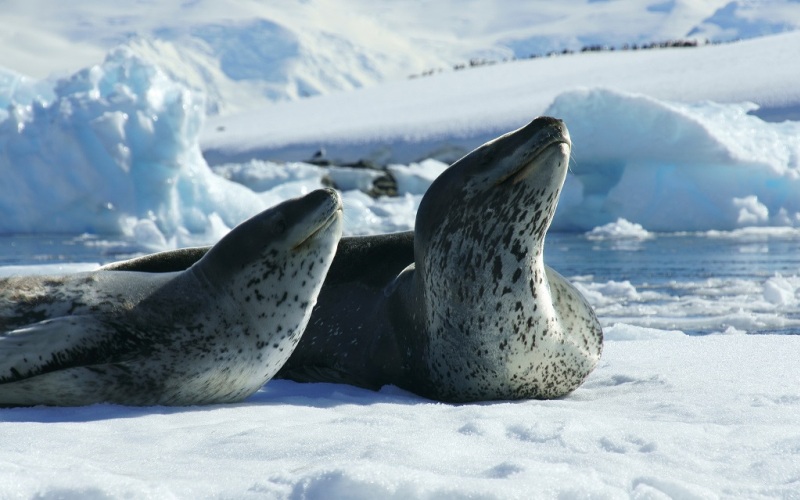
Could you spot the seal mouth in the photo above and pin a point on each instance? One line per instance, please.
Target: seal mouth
(538, 158)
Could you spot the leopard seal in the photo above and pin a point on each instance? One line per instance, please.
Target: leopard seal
(212, 333)
(463, 308)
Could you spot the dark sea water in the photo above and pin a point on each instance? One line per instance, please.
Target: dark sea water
(697, 284)
(32, 250)
(665, 258)
(658, 259)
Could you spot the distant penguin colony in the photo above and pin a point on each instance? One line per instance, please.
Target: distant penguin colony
(463, 308)
(213, 332)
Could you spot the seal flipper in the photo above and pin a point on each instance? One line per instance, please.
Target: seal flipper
(576, 315)
(56, 344)
(104, 382)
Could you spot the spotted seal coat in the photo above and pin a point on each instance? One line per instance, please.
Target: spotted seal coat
(464, 308)
(212, 333)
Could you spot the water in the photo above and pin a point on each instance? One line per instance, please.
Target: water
(667, 258)
(694, 284)
(35, 250)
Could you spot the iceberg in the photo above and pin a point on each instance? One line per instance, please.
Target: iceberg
(115, 152)
(620, 229)
(20, 89)
(675, 167)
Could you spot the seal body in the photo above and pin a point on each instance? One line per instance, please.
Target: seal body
(214, 332)
(497, 322)
(464, 308)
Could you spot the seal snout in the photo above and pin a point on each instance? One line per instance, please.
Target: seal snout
(328, 213)
(542, 145)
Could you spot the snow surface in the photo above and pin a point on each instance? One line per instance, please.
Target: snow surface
(239, 53)
(696, 395)
(406, 120)
(663, 416)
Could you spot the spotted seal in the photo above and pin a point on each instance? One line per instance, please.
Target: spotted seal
(464, 308)
(212, 333)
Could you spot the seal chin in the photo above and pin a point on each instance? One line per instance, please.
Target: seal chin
(540, 145)
(327, 213)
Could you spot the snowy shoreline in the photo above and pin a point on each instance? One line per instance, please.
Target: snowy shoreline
(658, 418)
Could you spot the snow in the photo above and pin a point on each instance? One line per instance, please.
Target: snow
(782, 291)
(663, 416)
(187, 117)
(403, 121)
(241, 52)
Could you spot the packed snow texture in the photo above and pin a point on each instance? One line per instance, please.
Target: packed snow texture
(663, 416)
(448, 114)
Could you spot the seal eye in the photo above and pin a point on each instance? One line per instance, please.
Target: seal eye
(279, 224)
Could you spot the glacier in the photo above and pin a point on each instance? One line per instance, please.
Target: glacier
(240, 53)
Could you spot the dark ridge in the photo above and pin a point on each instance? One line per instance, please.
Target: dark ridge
(667, 44)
